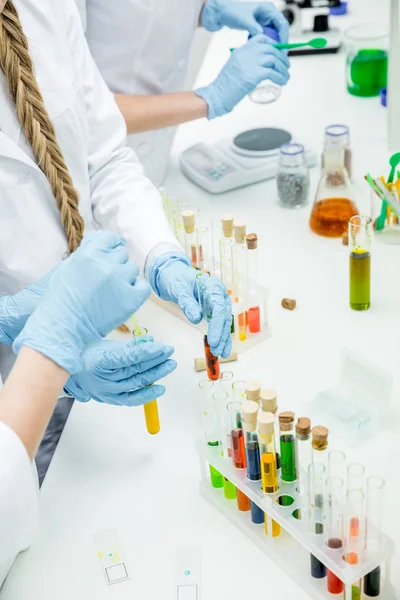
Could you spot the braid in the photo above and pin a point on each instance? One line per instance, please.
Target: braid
(16, 64)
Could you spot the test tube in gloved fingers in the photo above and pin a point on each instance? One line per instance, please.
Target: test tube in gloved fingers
(151, 408)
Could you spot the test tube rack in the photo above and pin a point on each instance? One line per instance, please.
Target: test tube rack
(291, 550)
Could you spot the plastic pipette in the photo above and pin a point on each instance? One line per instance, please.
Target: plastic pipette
(151, 408)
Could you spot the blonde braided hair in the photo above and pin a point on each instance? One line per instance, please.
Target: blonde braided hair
(17, 67)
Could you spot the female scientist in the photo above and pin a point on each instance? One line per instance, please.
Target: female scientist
(64, 167)
(86, 297)
(141, 48)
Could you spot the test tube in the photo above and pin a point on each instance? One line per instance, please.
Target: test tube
(220, 398)
(288, 446)
(190, 236)
(268, 398)
(355, 477)
(269, 473)
(253, 391)
(239, 390)
(354, 534)
(212, 363)
(225, 252)
(204, 294)
(211, 426)
(337, 464)
(225, 382)
(320, 445)
(303, 452)
(253, 296)
(150, 409)
(205, 254)
(249, 420)
(333, 529)
(316, 489)
(238, 449)
(360, 243)
(240, 278)
(373, 527)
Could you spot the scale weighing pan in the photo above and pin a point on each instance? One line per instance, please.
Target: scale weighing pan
(248, 158)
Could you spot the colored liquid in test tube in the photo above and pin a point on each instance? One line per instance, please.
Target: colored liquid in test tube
(373, 524)
(238, 448)
(334, 529)
(253, 296)
(221, 400)
(190, 236)
(249, 419)
(269, 472)
(288, 446)
(360, 242)
(203, 291)
(316, 490)
(355, 534)
(268, 399)
(239, 261)
(211, 426)
(151, 408)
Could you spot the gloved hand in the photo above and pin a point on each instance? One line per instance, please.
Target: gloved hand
(250, 16)
(15, 310)
(92, 292)
(175, 280)
(248, 66)
(117, 372)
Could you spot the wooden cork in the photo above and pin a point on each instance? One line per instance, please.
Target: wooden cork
(249, 412)
(345, 238)
(253, 390)
(320, 434)
(286, 420)
(251, 241)
(303, 426)
(266, 423)
(288, 303)
(268, 400)
(227, 225)
(188, 221)
(240, 231)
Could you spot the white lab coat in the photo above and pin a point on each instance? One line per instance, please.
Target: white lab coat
(113, 192)
(19, 510)
(142, 47)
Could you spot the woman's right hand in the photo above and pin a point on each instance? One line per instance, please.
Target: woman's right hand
(248, 66)
(91, 293)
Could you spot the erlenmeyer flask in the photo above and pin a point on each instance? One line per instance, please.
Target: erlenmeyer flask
(333, 204)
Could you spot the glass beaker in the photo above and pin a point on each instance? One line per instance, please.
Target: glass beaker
(293, 179)
(344, 132)
(333, 204)
(360, 242)
(267, 91)
(367, 59)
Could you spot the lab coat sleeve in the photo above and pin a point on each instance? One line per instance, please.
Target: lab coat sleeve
(123, 199)
(19, 509)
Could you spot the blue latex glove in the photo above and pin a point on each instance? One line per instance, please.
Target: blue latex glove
(248, 66)
(250, 16)
(175, 280)
(15, 310)
(117, 372)
(92, 292)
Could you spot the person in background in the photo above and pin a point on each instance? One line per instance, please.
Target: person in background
(86, 297)
(142, 47)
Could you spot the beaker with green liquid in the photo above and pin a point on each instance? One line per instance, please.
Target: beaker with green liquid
(360, 242)
(366, 59)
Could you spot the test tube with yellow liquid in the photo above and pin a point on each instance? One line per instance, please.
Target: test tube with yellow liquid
(151, 408)
(360, 242)
(269, 472)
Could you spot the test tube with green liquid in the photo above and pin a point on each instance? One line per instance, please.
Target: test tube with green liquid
(210, 417)
(360, 242)
(288, 446)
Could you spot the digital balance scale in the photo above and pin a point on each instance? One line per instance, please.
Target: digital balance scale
(250, 157)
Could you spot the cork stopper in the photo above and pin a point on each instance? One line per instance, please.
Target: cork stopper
(251, 241)
(286, 420)
(188, 221)
(227, 225)
(268, 400)
(266, 422)
(249, 412)
(240, 231)
(303, 426)
(320, 434)
(253, 390)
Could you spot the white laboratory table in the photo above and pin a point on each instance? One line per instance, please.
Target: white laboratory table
(108, 472)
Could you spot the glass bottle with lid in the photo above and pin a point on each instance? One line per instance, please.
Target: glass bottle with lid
(343, 134)
(267, 91)
(333, 204)
(293, 179)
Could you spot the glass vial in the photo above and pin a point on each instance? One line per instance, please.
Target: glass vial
(360, 242)
(253, 296)
(334, 529)
(221, 399)
(267, 91)
(355, 535)
(269, 472)
(303, 452)
(288, 446)
(205, 252)
(268, 399)
(293, 179)
(373, 523)
(316, 490)
(225, 252)
(238, 449)
(239, 261)
(212, 362)
(320, 445)
(333, 204)
(211, 425)
(249, 420)
(190, 236)
(343, 133)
